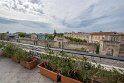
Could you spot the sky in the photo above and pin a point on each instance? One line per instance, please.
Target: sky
(43, 16)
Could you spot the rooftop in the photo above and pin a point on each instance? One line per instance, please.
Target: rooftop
(11, 72)
(103, 33)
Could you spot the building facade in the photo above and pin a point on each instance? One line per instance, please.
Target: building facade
(121, 37)
(33, 36)
(41, 36)
(96, 37)
(112, 48)
(110, 43)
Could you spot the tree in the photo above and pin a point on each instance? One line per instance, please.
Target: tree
(2, 35)
(21, 34)
(55, 33)
(51, 37)
(60, 34)
(75, 39)
(97, 49)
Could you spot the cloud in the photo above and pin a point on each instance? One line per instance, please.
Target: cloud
(35, 1)
(25, 6)
(6, 21)
(64, 15)
(12, 25)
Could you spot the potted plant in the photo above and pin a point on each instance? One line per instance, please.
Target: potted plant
(68, 73)
(1, 44)
(48, 67)
(68, 69)
(17, 55)
(9, 50)
(27, 61)
(76, 70)
(109, 76)
(1, 47)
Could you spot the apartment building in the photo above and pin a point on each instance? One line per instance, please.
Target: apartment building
(121, 37)
(110, 43)
(96, 37)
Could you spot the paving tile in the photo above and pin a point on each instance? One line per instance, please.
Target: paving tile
(11, 72)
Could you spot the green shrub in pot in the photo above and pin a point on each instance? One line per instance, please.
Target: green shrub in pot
(1, 44)
(81, 69)
(19, 52)
(51, 60)
(9, 50)
(25, 56)
(110, 76)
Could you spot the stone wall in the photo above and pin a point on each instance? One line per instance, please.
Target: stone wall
(27, 42)
(76, 46)
(110, 48)
(88, 47)
(121, 52)
(106, 47)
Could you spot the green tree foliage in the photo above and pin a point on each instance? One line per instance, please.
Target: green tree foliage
(55, 33)
(75, 39)
(1, 44)
(21, 34)
(50, 37)
(2, 35)
(80, 69)
(60, 34)
(97, 49)
(9, 50)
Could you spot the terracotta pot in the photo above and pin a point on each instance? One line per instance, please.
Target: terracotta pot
(15, 59)
(50, 74)
(29, 65)
(65, 79)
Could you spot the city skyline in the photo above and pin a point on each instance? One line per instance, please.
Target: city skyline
(62, 15)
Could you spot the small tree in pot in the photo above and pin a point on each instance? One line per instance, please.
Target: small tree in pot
(9, 50)
(49, 67)
(27, 61)
(110, 76)
(76, 70)
(1, 44)
(18, 55)
(69, 69)
(1, 47)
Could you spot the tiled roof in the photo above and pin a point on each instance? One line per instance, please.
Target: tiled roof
(103, 33)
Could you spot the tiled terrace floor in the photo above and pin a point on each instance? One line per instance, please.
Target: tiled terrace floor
(11, 72)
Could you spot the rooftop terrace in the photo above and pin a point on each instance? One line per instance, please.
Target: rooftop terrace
(11, 72)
